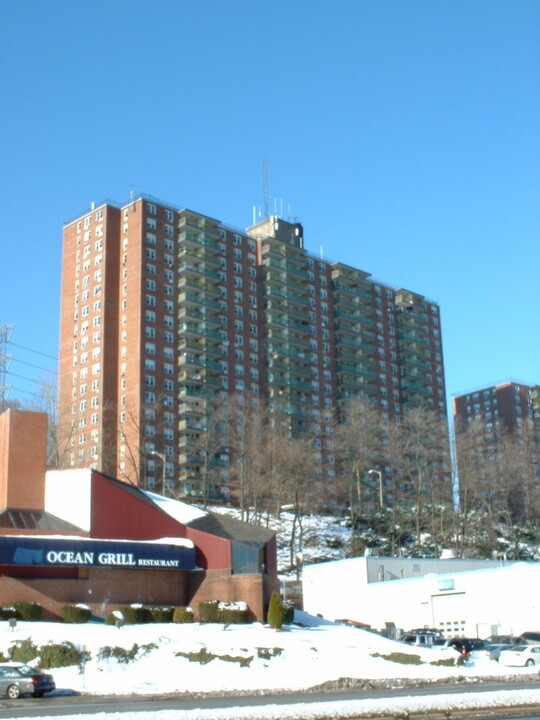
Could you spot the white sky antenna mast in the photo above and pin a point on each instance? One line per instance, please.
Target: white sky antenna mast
(265, 188)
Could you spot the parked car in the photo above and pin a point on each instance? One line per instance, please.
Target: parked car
(419, 639)
(17, 679)
(462, 645)
(490, 651)
(504, 640)
(521, 656)
(529, 638)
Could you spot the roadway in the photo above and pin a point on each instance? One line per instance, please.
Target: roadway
(57, 706)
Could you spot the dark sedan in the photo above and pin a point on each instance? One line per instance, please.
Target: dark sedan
(17, 680)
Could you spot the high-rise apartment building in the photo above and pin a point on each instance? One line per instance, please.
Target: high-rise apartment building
(497, 442)
(163, 308)
(498, 408)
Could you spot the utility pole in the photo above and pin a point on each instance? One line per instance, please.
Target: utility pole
(5, 359)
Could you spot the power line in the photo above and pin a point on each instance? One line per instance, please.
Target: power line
(28, 392)
(23, 377)
(38, 367)
(37, 352)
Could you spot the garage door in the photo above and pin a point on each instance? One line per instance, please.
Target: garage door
(450, 613)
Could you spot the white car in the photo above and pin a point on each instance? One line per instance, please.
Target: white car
(520, 656)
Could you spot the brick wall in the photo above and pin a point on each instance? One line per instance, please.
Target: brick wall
(23, 459)
(104, 590)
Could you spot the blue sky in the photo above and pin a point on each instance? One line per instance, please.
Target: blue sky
(404, 135)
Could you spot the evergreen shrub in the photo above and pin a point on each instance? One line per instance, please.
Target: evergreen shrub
(60, 655)
(8, 613)
(159, 613)
(27, 610)
(23, 651)
(75, 613)
(134, 614)
(275, 612)
(214, 611)
(182, 615)
(209, 611)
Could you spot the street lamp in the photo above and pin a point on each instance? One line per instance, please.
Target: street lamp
(163, 461)
(378, 473)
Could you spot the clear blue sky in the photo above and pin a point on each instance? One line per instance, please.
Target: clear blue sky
(404, 135)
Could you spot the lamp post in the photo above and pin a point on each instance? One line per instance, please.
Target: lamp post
(163, 461)
(378, 473)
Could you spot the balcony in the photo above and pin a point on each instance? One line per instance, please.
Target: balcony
(412, 338)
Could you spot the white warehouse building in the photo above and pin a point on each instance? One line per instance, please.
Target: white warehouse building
(470, 598)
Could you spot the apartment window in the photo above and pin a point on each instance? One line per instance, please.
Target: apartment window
(150, 254)
(150, 348)
(150, 238)
(168, 337)
(151, 300)
(150, 332)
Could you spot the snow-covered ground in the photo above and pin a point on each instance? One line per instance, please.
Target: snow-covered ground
(212, 658)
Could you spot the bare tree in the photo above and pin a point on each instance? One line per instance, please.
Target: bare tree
(426, 468)
(357, 442)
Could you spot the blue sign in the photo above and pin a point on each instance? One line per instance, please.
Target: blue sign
(77, 552)
(446, 584)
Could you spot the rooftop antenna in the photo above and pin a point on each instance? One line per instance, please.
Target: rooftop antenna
(265, 188)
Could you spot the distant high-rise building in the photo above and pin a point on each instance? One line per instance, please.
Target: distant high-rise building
(497, 441)
(163, 308)
(497, 408)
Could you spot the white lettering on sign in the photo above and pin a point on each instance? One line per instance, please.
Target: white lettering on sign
(68, 557)
(71, 557)
(159, 563)
(116, 559)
